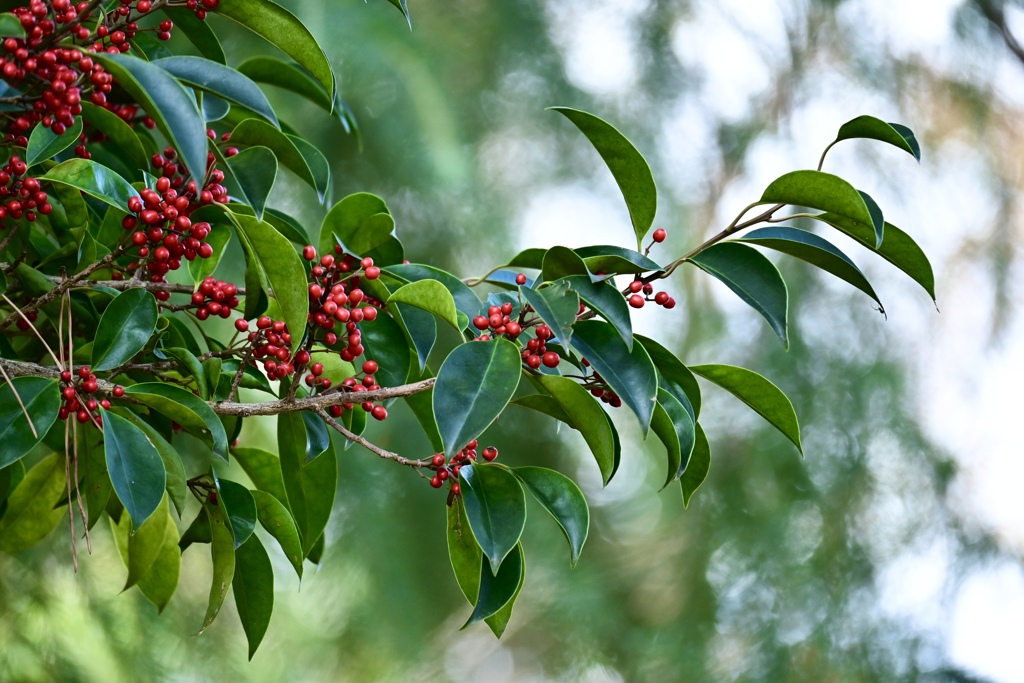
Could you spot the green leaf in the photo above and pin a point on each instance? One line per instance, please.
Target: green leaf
(402, 7)
(431, 296)
(263, 469)
(384, 342)
(560, 262)
(160, 582)
(93, 179)
(174, 110)
(498, 591)
(422, 406)
(288, 76)
(44, 144)
(562, 498)
(815, 250)
(255, 169)
(557, 306)
(274, 255)
(125, 328)
(466, 301)
(120, 134)
(281, 28)
(10, 25)
(475, 383)
(875, 129)
(96, 485)
(10, 477)
(197, 532)
(545, 404)
(627, 165)
(420, 327)
(198, 31)
(30, 512)
(201, 268)
(135, 468)
(145, 544)
(898, 248)
(629, 372)
(528, 258)
(318, 439)
(753, 278)
(189, 362)
(185, 408)
(222, 551)
(495, 508)
(254, 590)
(609, 260)
(254, 132)
(677, 434)
(697, 471)
(177, 487)
(222, 81)
(818, 190)
(765, 398)
(42, 400)
(607, 301)
(236, 500)
(346, 220)
(278, 522)
(877, 220)
(310, 485)
(673, 376)
(587, 416)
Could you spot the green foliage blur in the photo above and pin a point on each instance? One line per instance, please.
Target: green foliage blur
(771, 573)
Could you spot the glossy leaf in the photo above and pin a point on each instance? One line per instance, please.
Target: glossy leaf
(263, 470)
(422, 406)
(473, 386)
(498, 590)
(609, 260)
(185, 408)
(562, 262)
(607, 301)
(697, 471)
(282, 29)
(125, 328)
(253, 587)
(495, 509)
(587, 416)
(562, 498)
(174, 110)
(278, 522)
(240, 507)
(557, 306)
(682, 424)
(420, 327)
(161, 581)
(898, 248)
(10, 25)
(93, 179)
(222, 551)
(44, 144)
(220, 80)
(545, 404)
(431, 296)
(818, 190)
(288, 76)
(875, 129)
(255, 169)
(627, 165)
(629, 372)
(765, 398)
(198, 31)
(177, 487)
(815, 250)
(877, 220)
(189, 362)
(465, 300)
(119, 133)
(30, 514)
(345, 221)
(310, 486)
(145, 544)
(753, 278)
(318, 439)
(528, 258)
(254, 132)
(384, 342)
(41, 399)
(135, 468)
(673, 376)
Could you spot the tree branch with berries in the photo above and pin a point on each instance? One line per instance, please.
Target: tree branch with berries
(127, 171)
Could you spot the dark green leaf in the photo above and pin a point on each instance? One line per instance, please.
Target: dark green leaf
(310, 486)
(145, 544)
(185, 408)
(30, 512)
(254, 590)
(673, 376)
(496, 510)
(674, 425)
(44, 144)
(629, 372)
(288, 76)
(466, 300)
(473, 386)
(819, 252)
(431, 296)
(609, 260)
(119, 133)
(236, 500)
(877, 220)
(587, 416)
(190, 363)
(263, 469)
(765, 398)
(557, 306)
(198, 31)
(627, 165)
(697, 471)
(818, 190)
(93, 179)
(135, 468)
(318, 439)
(42, 400)
(254, 132)
(753, 278)
(255, 169)
(177, 488)
(497, 591)
(197, 532)
(346, 219)
(546, 404)
(220, 80)
(562, 498)
(125, 328)
(561, 262)
(875, 129)
(607, 301)
(222, 550)
(420, 327)
(384, 342)
(276, 519)
(422, 406)
(10, 25)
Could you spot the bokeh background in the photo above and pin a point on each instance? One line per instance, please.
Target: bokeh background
(892, 552)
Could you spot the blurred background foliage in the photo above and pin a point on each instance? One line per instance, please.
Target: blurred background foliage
(781, 570)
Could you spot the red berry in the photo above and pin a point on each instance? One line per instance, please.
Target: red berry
(436, 482)
(242, 325)
(309, 252)
(533, 360)
(635, 286)
(438, 460)
(636, 301)
(660, 235)
(370, 367)
(551, 359)
(456, 489)
(66, 376)
(660, 298)
(481, 323)
(490, 453)
(513, 329)
(671, 303)
(520, 279)
(118, 391)
(317, 369)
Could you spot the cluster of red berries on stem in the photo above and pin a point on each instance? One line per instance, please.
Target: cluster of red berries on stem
(641, 292)
(21, 196)
(499, 321)
(80, 397)
(448, 470)
(271, 342)
(356, 385)
(536, 352)
(335, 297)
(214, 297)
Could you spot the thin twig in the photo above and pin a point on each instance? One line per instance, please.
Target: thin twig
(18, 311)
(355, 438)
(20, 403)
(71, 507)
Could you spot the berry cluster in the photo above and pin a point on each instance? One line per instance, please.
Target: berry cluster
(80, 397)
(641, 292)
(335, 297)
(270, 343)
(356, 385)
(22, 196)
(449, 470)
(600, 389)
(536, 352)
(498, 320)
(58, 74)
(213, 297)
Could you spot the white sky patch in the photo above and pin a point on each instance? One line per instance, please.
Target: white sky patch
(987, 622)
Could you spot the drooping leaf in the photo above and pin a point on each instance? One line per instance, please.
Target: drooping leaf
(125, 328)
(263, 469)
(607, 301)
(753, 278)
(186, 409)
(253, 587)
(278, 522)
(30, 514)
(403, 8)
(498, 590)
(627, 165)
(587, 416)
(93, 179)
(310, 485)
(877, 220)
(673, 376)
(177, 487)
(190, 363)
(818, 190)
(44, 144)
(629, 372)
(875, 129)
(697, 471)
(473, 386)
(680, 444)
(255, 169)
(41, 399)
(222, 551)
(546, 405)
(431, 296)
(119, 133)
(145, 544)
(254, 132)
(562, 498)
(288, 76)
(240, 507)
(765, 398)
(160, 582)
(557, 306)
(496, 510)
(135, 468)
(220, 80)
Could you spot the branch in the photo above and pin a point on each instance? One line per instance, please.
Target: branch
(355, 438)
(124, 285)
